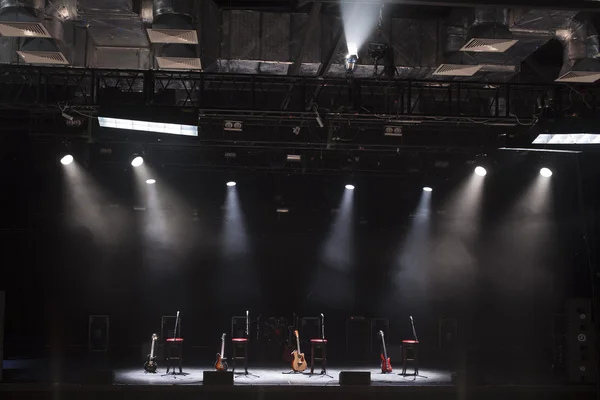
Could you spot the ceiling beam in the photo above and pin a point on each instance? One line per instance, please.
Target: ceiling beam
(312, 22)
(324, 68)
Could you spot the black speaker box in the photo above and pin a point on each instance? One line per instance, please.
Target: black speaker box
(218, 378)
(355, 378)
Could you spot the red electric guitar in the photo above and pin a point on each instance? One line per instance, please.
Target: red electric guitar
(386, 367)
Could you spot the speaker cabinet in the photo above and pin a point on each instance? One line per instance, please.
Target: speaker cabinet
(98, 333)
(581, 364)
(355, 378)
(2, 302)
(358, 337)
(448, 335)
(218, 378)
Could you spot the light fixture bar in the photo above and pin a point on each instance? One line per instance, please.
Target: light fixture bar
(147, 126)
(568, 138)
(540, 150)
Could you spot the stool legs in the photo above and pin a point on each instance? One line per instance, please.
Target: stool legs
(323, 358)
(415, 359)
(234, 358)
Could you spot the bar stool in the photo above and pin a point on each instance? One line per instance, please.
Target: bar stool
(318, 344)
(174, 353)
(412, 345)
(240, 342)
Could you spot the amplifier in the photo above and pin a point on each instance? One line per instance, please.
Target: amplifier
(217, 378)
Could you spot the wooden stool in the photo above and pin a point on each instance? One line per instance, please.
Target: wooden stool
(318, 344)
(174, 353)
(240, 342)
(414, 346)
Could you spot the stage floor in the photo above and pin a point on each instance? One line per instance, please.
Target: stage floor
(274, 376)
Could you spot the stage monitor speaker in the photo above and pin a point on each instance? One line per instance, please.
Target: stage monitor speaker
(581, 360)
(358, 339)
(98, 333)
(217, 378)
(355, 378)
(2, 302)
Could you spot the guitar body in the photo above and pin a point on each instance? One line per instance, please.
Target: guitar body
(220, 364)
(298, 363)
(386, 366)
(151, 365)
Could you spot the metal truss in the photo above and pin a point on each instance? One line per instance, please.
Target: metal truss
(283, 97)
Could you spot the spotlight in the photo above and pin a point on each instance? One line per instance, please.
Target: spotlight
(480, 171)
(137, 161)
(66, 160)
(350, 187)
(427, 189)
(545, 172)
(351, 60)
(231, 184)
(150, 181)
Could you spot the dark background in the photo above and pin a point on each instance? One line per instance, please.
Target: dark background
(503, 284)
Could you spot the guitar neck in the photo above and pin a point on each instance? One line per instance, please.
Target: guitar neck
(298, 343)
(222, 346)
(384, 348)
(152, 349)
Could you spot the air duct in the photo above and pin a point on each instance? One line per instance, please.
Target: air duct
(580, 52)
(174, 36)
(489, 32)
(28, 32)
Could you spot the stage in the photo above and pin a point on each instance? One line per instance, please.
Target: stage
(34, 379)
(274, 376)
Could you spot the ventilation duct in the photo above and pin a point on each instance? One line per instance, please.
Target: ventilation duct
(489, 32)
(174, 36)
(31, 34)
(580, 53)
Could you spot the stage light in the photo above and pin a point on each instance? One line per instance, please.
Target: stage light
(545, 172)
(350, 187)
(231, 184)
(150, 181)
(66, 160)
(480, 171)
(350, 63)
(427, 189)
(137, 161)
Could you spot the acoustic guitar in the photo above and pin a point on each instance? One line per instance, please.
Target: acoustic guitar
(151, 365)
(220, 364)
(298, 363)
(386, 366)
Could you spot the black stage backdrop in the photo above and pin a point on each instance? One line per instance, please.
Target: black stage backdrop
(502, 275)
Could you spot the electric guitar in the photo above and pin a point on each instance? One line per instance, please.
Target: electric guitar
(220, 364)
(298, 363)
(385, 360)
(150, 365)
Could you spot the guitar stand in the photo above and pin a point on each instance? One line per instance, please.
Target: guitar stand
(292, 372)
(174, 374)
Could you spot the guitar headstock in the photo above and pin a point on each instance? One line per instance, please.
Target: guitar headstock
(154, 336)
(296, 333)
(381, 333)
(223, 337)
